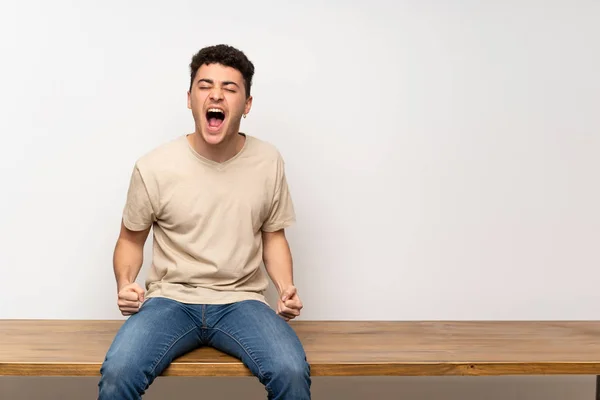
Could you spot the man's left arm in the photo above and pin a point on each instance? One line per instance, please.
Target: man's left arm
(279, 265)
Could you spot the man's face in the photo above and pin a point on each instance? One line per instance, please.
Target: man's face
(218, 101)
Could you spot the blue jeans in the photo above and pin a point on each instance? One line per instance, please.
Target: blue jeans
(165, 329)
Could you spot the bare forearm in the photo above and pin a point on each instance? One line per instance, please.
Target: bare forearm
(278, 260)
(129, 255)
(127, 261)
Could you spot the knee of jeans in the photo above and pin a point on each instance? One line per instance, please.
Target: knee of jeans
(290, 369)
(121, 372)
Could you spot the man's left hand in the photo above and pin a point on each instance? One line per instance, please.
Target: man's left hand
(289, 304)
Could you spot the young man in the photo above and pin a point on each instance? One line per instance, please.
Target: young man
(218, 202)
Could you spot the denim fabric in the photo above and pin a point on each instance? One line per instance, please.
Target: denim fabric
(165, 329)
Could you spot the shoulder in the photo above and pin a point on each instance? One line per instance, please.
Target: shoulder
(162, 155)
(263, 149)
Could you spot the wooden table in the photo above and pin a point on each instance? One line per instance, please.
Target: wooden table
(334, 348)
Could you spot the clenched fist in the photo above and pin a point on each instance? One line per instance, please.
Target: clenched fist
(289, 304)
(130, 298)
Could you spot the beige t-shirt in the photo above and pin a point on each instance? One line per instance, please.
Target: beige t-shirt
(207, 219)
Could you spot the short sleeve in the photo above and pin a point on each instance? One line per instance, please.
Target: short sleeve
(139, 212)
(281, 214)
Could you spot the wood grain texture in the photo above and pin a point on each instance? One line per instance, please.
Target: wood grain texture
(334, 348)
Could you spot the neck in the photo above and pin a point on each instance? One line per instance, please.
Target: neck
(221, 152)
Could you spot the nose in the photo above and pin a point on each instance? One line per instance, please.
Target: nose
(216, 94)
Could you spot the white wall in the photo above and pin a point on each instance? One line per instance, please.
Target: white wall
(443, 156)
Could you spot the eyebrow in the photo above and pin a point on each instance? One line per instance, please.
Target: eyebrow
(210, 81)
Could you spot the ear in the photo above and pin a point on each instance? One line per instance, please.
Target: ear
(189, 100)
(248, 105)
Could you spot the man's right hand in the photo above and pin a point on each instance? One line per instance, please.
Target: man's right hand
(130, 299)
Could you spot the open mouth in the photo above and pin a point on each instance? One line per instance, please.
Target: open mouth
(215, 117)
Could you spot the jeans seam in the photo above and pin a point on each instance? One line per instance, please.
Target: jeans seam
(160, 358)
(261, 376)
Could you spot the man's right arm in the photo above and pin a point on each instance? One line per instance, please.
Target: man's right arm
(127, 262)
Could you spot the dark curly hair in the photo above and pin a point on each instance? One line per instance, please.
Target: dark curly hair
(225, 55)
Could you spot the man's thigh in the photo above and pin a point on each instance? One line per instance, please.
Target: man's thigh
(150, 339)
(254, 333)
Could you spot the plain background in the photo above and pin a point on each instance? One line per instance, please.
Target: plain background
(443, 158)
